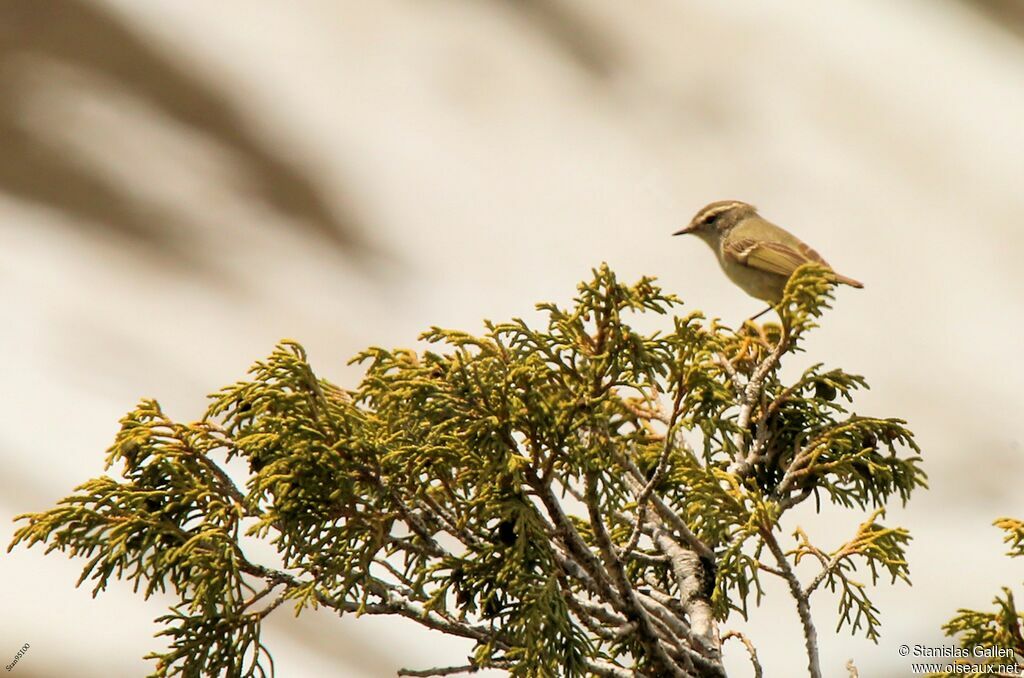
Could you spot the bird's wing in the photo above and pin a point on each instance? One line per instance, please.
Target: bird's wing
(773, 257)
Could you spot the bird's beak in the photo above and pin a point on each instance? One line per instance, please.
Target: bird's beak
(684, 231)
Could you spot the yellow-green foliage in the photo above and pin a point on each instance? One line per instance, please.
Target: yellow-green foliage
(1002, 629)
(433, 489)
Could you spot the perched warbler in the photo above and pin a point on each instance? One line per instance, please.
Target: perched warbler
(756, 254)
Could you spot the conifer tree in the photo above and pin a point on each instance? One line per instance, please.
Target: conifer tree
(579, 498)
(994, 640)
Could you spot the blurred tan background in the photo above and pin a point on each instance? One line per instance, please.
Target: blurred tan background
(182, 184)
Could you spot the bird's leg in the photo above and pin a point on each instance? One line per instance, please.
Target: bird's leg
(755, 317)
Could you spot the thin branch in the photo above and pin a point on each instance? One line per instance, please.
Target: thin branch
(395, 572)
(751, 650)
(392, 602)
(573, 569)
(634, 611)
(830, 565)
(632, 478)
(668, 619)
(455, 670)
(615, 632)
(772, 570)
(260, 596)
(792, 500)
(396, 604)
(597, 611)
(802, 463)
(658, 476)
(411, 519)
(730, 369)
(802, 604)
(744, 459)
(673, 604)
(577, 549)
(647, 558)
(450, 523)
(606, 670)
(262, 614)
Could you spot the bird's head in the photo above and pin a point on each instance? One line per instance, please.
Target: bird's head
(717, 218)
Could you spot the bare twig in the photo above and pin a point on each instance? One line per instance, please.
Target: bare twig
(827, 567)
(802, 604)
(606, 670)
(771, 570)
(751, 650)
(454, 670)
(598, 611)
(274, 605)
(792, 500)
(658, 476)
(645, 558)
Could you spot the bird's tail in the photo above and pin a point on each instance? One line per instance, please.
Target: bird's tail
(849, 281)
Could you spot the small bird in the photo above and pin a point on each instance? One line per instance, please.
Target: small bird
(756, 254)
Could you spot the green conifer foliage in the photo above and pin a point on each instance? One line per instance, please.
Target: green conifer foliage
(579, 498)
(994, 640)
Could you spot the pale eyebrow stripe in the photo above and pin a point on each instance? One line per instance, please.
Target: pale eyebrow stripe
(718, 209)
